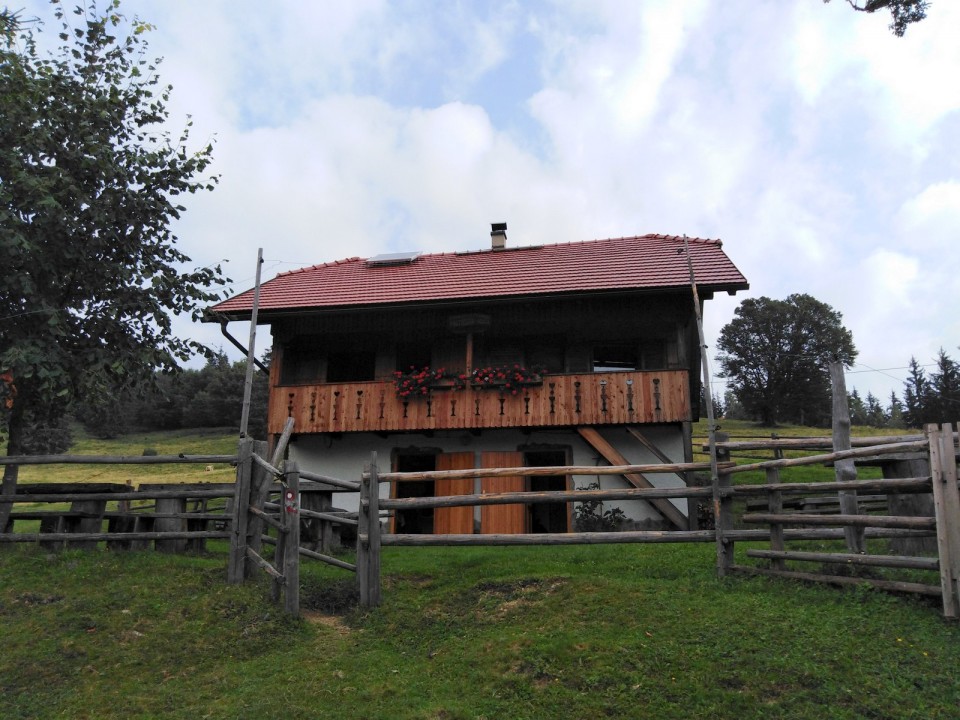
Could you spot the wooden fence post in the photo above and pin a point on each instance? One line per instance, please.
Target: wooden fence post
(241, 501)
(374, 530)
(845, 470)
(291, 538)
(775, 507)
(723, 517)
(260, 481)
(946, 505)
(368, 537)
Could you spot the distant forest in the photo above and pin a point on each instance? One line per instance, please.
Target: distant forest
(209, 397)
(926, 398)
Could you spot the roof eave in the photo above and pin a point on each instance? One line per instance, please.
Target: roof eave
(264, 315)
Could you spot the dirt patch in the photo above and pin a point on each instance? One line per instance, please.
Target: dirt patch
(497, 599)
(330, 621)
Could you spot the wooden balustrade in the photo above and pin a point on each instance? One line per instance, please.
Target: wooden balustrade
(560, 400)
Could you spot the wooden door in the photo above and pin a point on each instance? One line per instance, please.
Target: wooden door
(503, 519)
(454, 520)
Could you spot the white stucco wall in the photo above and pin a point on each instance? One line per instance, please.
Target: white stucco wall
(345, 456)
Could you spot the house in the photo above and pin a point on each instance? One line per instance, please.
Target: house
(578, 353)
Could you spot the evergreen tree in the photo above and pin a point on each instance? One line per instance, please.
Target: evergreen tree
(916, 396)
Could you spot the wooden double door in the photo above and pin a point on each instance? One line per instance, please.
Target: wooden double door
(494, 519)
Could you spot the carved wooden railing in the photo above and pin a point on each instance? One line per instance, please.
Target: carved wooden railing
(560, 400)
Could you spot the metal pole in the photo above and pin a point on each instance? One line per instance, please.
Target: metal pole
(251, 350)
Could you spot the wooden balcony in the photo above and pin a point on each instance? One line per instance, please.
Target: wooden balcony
(561, 400)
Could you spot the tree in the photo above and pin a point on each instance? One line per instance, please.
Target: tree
(895, 413)
(944, 402)
(858, 410)
(902, 12)
(89, 185)
(776, 354)
(916, 396)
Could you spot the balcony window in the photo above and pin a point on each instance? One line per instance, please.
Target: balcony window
(357, 366)
(610, 358)
(303, 362)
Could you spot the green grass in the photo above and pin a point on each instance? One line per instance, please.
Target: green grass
(621, 631)
(571, 632)
(215, 441)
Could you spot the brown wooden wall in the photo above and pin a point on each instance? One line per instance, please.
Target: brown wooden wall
(613, 398)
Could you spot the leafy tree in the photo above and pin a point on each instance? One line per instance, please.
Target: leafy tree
(902, 12)
(89, 184)
(776, 354)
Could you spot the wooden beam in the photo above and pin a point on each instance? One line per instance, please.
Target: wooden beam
(613, 456)
(898, 561)
(648, 444)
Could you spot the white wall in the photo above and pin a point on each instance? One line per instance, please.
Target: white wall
(345, 456)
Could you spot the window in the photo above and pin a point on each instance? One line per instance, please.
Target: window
(303, 362)
(609, 358)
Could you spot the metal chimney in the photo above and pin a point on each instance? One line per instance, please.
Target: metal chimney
(498, 236)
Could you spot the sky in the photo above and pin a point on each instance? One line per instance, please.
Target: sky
(820, 148)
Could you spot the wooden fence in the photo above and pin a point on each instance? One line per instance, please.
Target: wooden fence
(936, 444)
(275, 494)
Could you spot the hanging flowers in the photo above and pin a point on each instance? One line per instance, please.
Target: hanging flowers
(419, 382)
(509, 378)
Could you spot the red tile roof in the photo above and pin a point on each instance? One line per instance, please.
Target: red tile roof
(632, 263)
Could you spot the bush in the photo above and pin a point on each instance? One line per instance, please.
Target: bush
(589, 515)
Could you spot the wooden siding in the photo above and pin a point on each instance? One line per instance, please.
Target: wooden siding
(613, 398)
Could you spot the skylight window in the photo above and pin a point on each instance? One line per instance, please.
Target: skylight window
(400, 258)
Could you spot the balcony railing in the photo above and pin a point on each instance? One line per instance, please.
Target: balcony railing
(613, 398)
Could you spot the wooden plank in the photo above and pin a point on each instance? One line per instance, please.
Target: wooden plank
(458, 519)
(613, 456)
(374, 406)
(544, 471)
(897, 561)
(503, 519)
(920, 484)
(887, 521)
(845, 470)
(529, 497)
(591, 538)
(170, 506)
(236, 566)
(947, 517)
(826, 458)
(373, 528)
(775, 507)
(291, 538)
(118, 459)
(891, 585)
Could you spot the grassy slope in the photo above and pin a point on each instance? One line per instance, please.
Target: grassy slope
(572, 632)
(580, 632)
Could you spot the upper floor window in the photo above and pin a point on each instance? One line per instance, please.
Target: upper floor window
(648, 355)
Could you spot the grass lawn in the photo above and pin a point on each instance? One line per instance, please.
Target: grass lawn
(568, 632)
(622, 631)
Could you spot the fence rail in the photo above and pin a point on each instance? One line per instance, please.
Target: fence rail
(270, 493)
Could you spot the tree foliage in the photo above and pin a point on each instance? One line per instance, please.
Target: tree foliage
(90, 182)
(776, 354)
(209, 397)
(902, 12)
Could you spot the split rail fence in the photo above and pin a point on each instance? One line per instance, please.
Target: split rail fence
(272, 494)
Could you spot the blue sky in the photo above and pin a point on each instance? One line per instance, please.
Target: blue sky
(823, 150)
